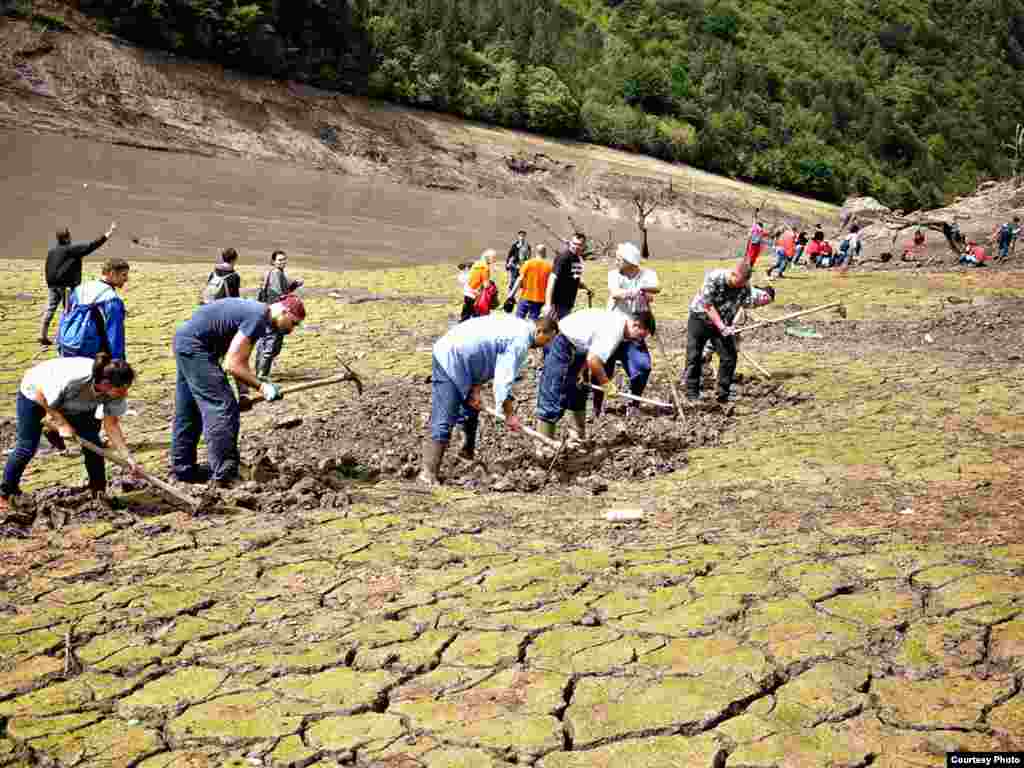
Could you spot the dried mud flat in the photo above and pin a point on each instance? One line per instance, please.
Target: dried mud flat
(334, 613)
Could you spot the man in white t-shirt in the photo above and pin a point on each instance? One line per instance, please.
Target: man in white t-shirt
(630, 291)
(588, 338)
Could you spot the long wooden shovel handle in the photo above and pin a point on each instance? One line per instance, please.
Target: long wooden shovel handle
(672, 384)
(637, 398)
(156, 481)
(257, 397)
(745, 328)
(531, 432)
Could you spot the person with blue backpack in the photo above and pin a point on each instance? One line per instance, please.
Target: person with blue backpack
(94, 320)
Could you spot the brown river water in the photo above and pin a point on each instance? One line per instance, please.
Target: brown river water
(187, 208)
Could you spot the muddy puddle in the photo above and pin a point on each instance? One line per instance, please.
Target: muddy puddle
(186, 208)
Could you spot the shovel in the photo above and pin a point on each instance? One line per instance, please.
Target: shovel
(245, 402)
(167, 488)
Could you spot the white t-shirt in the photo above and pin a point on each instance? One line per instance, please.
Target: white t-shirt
(66, 383)
(645, 278)
(597, 331)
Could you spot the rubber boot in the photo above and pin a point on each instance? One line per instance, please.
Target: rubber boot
(263, 370)
(468, 449)
(578, 430)
(547, 429)
(433, 453)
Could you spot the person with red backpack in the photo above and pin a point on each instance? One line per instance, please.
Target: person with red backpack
(479, 277)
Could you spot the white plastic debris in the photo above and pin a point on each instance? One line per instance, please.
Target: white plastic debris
(621, 515)
(906, 511)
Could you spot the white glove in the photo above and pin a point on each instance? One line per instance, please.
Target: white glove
(270, 391)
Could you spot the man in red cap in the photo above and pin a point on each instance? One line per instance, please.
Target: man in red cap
(204, 403)
(712, 313)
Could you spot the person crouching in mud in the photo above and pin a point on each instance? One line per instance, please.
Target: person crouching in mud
(67, 392)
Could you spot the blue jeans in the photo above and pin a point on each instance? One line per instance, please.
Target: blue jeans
(636, 362)
(204, 405)
(447, 408)
(30, 430)
(559, 390)
(529, 309)
(781, 262)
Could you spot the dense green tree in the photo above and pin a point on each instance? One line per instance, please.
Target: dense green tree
(909, 100)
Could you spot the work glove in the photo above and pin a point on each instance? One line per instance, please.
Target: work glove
(270, 392)
(728, 330)
(609, 388)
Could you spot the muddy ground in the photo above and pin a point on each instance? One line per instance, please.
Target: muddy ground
(826, 572)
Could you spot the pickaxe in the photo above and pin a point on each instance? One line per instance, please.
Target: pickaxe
(246, 401)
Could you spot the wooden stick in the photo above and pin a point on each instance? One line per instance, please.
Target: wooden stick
(754, 363)
(156, 481)
(790, 316)
(350, 376)
(671, 381)
(629, 396)
(531, 432)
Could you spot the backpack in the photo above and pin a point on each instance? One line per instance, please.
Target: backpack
(83, 331)
(487, 300)
(215, 288)
(264, 293)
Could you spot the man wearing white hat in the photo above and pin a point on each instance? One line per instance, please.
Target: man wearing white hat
(631, 291)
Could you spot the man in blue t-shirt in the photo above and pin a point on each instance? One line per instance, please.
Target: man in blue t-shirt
(204, 403)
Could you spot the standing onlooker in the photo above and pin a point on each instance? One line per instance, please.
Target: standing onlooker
(224, 282)
(94, 321)
(532, 285)
(756, 241)
(518, 255)
(712, 313)
(64, 273)
(801, 244)
(1005, 236)
(479, 277)
(566, 279)
(849, 247)
(630, 291)
(275, 285)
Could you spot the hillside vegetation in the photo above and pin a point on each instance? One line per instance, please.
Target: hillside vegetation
(911, 101)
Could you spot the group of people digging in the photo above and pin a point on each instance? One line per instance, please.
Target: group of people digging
(581, 347)
(85, 387)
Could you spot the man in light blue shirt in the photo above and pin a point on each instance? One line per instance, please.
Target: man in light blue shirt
(467, 357)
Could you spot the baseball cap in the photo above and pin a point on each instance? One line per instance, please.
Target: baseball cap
(629, 253)
(293, 304)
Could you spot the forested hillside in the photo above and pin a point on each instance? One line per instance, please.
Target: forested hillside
(911, 101)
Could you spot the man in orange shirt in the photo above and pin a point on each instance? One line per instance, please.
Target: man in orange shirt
(785, 251)
(479, 276)
(533, 280)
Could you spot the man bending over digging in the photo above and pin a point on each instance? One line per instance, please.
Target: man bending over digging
(467, 357)
(712, 313)
(589, 339)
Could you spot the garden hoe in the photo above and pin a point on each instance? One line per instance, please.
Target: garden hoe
(193, 503)
(836, 305)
